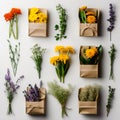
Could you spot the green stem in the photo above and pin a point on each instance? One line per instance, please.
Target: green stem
(111, 71)
(9, 108)
(62, 79)
(64, 111)
(16, 18)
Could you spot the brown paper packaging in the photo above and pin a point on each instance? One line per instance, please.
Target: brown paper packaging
(38, 29)
(37, 108)
(88, 107)
(89, 71)
(90, 29)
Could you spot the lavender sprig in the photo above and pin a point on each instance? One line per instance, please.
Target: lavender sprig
(112, 58)
(14, 55)
(111, 19)
(110, 98)
(32, 93)
(11, 89)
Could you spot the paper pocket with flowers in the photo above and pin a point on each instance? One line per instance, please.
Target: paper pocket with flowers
(62, 61)
(37, 19)
(89, 19)
(89, 61)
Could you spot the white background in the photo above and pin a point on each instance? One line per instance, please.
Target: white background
(26, 64)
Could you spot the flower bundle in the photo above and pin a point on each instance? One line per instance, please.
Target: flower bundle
(35, 99)
(11, 89)
(87, 15)
(32, 93)
(90, 55)
(62, 61)
(111, 19)
(37, 16)
(12, 17)
(61, 94)
(14, 55)
(37, 53)
(88, 98)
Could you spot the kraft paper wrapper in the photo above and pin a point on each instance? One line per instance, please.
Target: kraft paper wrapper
(89, 71)
(90, 29)
(37, 108)
(88, 107)
(38, 29)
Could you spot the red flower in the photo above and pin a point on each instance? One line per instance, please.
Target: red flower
(15, 11)
(8, 16)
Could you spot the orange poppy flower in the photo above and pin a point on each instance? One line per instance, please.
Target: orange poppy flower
(15, 11)
(8, 16)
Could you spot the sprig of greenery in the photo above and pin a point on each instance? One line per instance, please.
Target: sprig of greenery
(62, 23)
(110, 98)
(37, 53)
(61, 94)
(82, 16)
(112, 58)
(14, 55)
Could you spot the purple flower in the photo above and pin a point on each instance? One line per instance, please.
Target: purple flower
(7, 76)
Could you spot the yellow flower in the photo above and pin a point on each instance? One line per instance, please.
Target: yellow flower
(42, 15)
(83, 8)
(70, 49)
(34, 10)
(59, 48)
(53, 60)
(90, 53)
(42, 20)
(95, 49)
(33, 17)
(63, 58)
(91, 19)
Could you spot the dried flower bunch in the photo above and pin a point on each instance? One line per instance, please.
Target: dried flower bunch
(12, 17)
(89, 93)
(87, 15)
(62, 23)
(110, 99)
(37, 16)
(112, 58)
(11, 89)
(32, 93)
(37, 53)
(14, 55)
(90, 55)
(111, 19)
(61, 94)
(62, 61)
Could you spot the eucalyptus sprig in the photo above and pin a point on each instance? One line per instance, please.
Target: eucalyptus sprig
(62, 23)
(37, 53)
(61, 94)
(112, 58)
(110, 98)
(14, 55)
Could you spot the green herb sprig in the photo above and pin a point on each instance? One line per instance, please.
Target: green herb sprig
(61, 94)
(37, 53)
(62, 23)
(110, 98)
(112, 58)
(14, 55)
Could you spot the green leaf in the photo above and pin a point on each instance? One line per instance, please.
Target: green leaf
(56, 27)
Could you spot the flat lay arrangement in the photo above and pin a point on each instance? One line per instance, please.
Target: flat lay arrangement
(67, 63)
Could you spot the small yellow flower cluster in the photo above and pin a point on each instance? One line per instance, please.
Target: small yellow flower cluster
(62, 49)
(63, 54)
(91, 52)
(35, 15)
